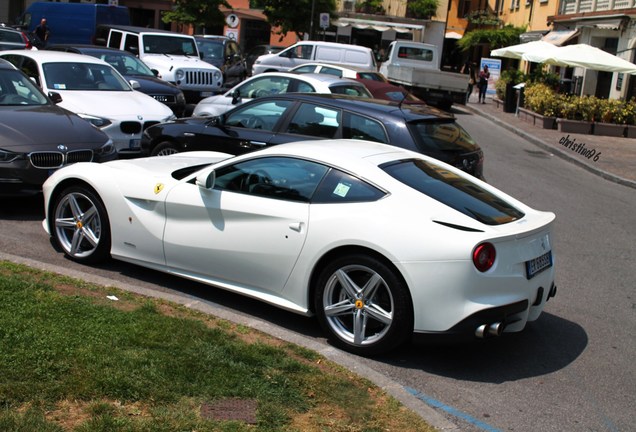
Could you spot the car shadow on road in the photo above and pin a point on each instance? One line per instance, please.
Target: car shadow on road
(544, 346)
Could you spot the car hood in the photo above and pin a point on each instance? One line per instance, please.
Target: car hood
(114, 104)
(163, 62)
(54, 126)
(153, 85)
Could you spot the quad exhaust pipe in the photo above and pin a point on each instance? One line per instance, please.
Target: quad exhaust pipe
(486, 330)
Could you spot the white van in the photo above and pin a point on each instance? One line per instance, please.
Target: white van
(315, 51)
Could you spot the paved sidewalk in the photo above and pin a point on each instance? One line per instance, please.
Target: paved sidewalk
(615, 156)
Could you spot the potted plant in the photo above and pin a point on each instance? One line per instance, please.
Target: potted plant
(612, 122)
(540, 105)
(578, 114)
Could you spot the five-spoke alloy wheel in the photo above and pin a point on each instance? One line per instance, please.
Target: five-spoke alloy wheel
(363, 305)
(81, 226)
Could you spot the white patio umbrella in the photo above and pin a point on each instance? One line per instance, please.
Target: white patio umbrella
(519, 50)
(582, 55)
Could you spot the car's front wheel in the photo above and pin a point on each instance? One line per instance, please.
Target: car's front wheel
(363, 304)
(165, 148)
(80, 225)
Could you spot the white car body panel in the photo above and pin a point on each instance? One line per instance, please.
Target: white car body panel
(268, 248)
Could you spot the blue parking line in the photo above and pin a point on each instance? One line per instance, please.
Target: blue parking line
(437, 404)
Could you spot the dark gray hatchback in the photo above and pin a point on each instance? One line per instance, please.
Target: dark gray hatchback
(291, 117)
(37, 137)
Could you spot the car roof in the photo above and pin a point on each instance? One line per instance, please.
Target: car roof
(136, 29)
(55, 56)
(87, 48)
(335, 66)
(312, 77)
(364, 106)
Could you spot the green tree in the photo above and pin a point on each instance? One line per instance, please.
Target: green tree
(295, 15)
(199, 13)
(423, 9)
(496, 38)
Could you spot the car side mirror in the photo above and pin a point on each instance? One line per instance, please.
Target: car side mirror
(156, 72)
(134, 84)
(55, 97)
(236, 96)
(206, 179)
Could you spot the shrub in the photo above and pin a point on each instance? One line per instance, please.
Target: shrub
(542, 99)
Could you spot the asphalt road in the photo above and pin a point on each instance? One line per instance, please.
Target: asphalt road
(572, 370)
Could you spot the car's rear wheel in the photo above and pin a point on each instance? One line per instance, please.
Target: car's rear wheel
(363, 305)
(80, 225)
(165, 148)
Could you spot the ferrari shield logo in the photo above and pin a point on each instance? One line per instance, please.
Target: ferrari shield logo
(158, 188)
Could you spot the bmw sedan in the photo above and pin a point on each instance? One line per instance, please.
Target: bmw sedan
(297, 226)
(273, 83)
(134, 70)
(272, 120)
(37, 136)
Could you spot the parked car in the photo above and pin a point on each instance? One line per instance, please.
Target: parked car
(272, 120)
(387, 91)
(95, 91)
(277, 83)
(226, 54)
(378, 242)
(38, 137)
(133, 69)
(342, 71)
(12, 39)
(257, 51)
(315, 51)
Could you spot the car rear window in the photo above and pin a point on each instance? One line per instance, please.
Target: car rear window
(441, 135)
(455, 191)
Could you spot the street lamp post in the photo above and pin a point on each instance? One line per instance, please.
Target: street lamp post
(311, 20)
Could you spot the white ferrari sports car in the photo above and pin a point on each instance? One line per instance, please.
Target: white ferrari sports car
(378, 242)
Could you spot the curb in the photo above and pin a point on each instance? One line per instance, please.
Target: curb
(344, 359)
(558, 152)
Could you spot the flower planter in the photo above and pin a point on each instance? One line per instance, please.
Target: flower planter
(537, 119)
(527, 115)
(630, 132)
(609, 129)
(575, 126)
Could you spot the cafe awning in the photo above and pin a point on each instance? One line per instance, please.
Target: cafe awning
(559, 37)
(377, 25)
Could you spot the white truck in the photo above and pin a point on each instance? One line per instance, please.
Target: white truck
(416, 67)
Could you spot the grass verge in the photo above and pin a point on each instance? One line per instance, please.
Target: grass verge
(73, 360)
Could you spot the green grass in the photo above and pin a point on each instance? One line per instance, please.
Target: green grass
(72, 360)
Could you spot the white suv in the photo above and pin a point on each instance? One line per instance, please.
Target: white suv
(174, 56)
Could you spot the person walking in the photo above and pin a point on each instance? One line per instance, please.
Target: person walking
(42, 33)
(484, 75)
(469, 68)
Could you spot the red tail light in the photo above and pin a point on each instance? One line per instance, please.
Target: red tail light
(484, 256)
(26, 41)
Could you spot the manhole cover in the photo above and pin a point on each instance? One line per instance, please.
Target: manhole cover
(231, 409)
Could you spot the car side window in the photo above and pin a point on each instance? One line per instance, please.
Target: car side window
(283, 178)
(132, 44)
(302, 87)
(264, 86)
(331, 71)
(263, 116)
(359, 127)
(340, 187)
(305, 69)
(115, 39)
(314, 120)
(30, 68)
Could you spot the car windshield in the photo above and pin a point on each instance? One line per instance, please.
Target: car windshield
(166, 44)
(211, 48)
(17, 89)
(453, 190)
(126, 64)
(83, 76)
(444, 136)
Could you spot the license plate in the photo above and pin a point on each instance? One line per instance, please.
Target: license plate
(206, 94)
(134, 143)
(538, 264)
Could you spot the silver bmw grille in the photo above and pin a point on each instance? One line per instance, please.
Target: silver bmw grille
(50, 160)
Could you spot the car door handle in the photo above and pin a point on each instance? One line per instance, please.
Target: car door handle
(296, 226)
(189, 134)
(258, 143)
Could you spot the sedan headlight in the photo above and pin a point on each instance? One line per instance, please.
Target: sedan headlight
(106, 149)
(7, 156)
(179, 74)
(98, 122)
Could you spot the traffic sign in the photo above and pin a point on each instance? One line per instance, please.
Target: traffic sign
(324, 20)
